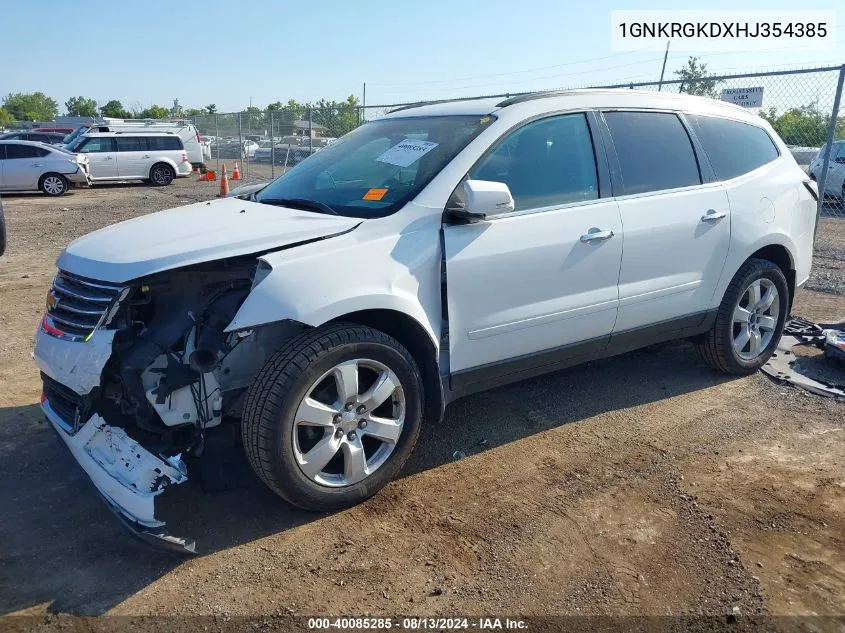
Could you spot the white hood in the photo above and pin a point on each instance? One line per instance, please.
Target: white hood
(196, 233)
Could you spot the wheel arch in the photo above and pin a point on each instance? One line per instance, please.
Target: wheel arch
(164, 161)
(779, 255)
(414, 337)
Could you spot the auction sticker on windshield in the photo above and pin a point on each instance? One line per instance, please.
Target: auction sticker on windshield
(406, 152)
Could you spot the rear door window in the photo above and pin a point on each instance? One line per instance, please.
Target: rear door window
(733, 148)
(163, 143)
(654, 151)
(131, 144)
(21, 151)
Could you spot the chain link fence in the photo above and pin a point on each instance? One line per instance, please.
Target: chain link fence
(266, 143)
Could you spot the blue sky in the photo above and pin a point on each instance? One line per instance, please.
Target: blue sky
(219, 52)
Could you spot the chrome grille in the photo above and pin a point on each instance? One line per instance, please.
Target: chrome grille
(76, 305)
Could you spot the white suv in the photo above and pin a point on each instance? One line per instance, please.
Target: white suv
(155, 157)
(439, 251)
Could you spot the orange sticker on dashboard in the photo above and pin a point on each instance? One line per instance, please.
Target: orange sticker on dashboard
(375, 194)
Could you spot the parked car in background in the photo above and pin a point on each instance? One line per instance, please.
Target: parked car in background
(438, 251)
(264, 152)
(155, 157)
(64, 131)
(51, 138)
(33, 166)
(834, 184)
(803, 155)
(236, 149)
(186, 131)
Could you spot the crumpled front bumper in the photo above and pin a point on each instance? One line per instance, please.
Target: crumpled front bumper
(127, 475)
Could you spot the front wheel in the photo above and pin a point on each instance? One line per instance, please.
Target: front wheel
(750, 319)
(333, 416)
(53, 184)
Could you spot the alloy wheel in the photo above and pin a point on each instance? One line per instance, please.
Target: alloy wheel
(755, 319)
(349, 422)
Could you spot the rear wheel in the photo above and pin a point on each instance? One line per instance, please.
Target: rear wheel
(750, 319)
(333, 416)
(53, 184)
(161, 174)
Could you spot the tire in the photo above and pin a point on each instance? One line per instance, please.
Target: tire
(720, 347)
(161, 175)
(279, 444)
(53, 184)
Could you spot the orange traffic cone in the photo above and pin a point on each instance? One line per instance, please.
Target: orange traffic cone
(236, 173)
(224, 185)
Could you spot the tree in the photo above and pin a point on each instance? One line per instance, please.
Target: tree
(804, 125)
(114, 109)
(194, 112)
(6, 117)
(693, 75)
(339, 117)
(81, 106)
(211, 108)
(34, 106)
(154, 112)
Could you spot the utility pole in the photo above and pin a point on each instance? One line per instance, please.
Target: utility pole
(663, 70)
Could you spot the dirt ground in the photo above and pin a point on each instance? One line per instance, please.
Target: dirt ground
(644, 484)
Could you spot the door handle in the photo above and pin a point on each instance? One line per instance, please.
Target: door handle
(596, 234)
(712, 215)
(146, 155)
(109, 158)
(36, 164)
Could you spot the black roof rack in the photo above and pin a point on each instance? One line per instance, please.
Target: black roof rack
(531, 96)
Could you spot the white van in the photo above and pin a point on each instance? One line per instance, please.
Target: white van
(155, 157)
(198, 152)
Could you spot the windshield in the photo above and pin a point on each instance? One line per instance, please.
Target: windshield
(375, 169)
(73, 135)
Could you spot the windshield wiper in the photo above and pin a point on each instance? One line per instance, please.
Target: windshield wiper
(302, 203)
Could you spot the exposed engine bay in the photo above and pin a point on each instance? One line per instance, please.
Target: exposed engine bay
(174, 374)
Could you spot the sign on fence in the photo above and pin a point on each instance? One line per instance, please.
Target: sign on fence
(745, 97)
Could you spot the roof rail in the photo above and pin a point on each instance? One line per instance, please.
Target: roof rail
(531, 96)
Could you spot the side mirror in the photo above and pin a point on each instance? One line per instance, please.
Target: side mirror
(484, 200)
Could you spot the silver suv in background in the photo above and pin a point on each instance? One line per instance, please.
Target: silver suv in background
(834, 184)
(156, 157)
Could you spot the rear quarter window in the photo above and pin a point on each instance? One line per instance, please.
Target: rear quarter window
(733, 148)
(162, 143)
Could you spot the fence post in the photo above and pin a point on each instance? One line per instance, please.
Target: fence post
(217, 139)
(272, 149)
(240, 138)
(310, 130)
(831, 134)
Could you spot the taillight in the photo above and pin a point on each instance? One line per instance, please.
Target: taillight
(812, 187)
(198, 137)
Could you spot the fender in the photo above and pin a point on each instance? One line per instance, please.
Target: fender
(361, 270)
(736, 258)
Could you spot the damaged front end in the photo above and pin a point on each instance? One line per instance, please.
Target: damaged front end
(137, 374)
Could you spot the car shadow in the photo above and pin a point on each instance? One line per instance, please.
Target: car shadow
(62, 548)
